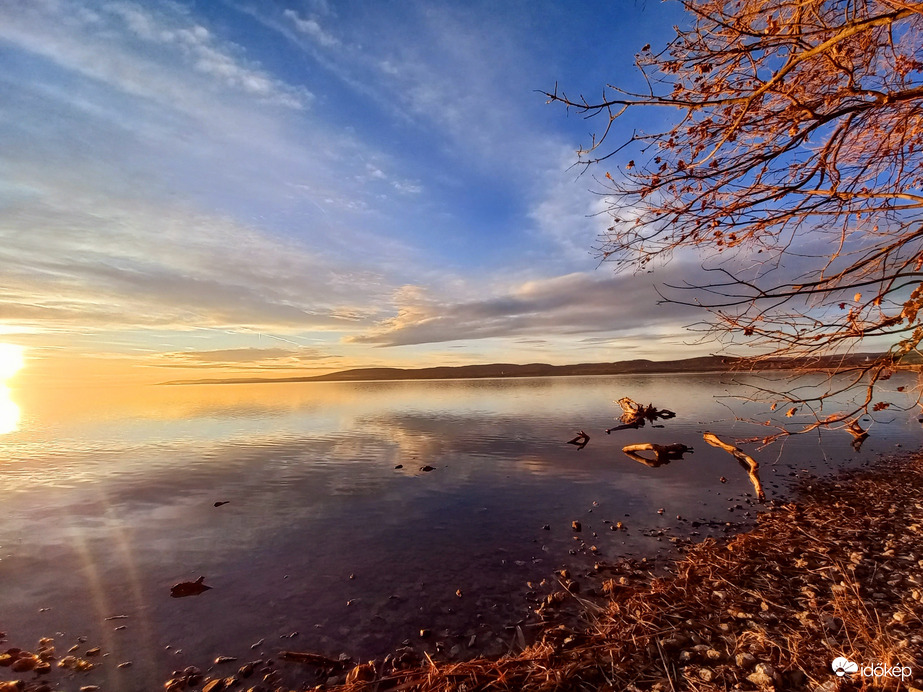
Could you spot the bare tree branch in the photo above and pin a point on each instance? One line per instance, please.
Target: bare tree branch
(794, 168)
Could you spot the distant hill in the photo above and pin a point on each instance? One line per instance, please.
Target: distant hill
(497, 370)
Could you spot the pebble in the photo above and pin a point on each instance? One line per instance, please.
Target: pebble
(706, 674)
(760, 679)
(745, 660)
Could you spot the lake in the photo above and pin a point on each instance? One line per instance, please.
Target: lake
(325, 545)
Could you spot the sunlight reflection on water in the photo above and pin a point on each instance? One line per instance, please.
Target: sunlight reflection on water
(9, 412)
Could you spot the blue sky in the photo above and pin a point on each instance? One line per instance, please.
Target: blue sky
(310, 185)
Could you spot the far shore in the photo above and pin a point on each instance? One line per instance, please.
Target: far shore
(703, 364)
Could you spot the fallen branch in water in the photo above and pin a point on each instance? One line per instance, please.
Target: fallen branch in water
(580, 440)
(859, 435)
(749, 463)
(663, 454)
(634, 414)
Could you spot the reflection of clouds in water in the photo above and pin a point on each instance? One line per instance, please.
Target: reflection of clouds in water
(532, 464)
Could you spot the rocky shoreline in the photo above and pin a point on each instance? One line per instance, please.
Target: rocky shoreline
(836, 574)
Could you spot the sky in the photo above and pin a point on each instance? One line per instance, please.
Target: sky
(216, 188)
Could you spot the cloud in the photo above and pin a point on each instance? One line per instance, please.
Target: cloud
(311, 28)
(71, 259)
(564, 305)
(464, 86)
(154, 55)
(262, 358)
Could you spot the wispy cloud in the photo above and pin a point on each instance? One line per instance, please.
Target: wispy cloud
(465, 87)
(135, 264)
(571, 304)
(311, 28)
(146, 53)
(263, 358)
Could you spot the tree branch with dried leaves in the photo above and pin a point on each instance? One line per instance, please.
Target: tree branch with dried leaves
(793, 166)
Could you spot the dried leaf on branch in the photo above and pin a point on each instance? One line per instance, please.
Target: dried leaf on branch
(793, 170)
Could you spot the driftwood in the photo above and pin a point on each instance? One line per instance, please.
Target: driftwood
(581, 440)
(663, 454)
(634, 415)
(859, 435)
(749, 463)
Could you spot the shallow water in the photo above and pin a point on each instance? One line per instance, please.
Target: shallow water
(108, 500)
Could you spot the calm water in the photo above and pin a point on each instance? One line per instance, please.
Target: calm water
(108, 500)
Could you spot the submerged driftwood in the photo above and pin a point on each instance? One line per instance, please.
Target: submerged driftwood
(663, 454)
(581, 440)
(859, 435)
(749, 463)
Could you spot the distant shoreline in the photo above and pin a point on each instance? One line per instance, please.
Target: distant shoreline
(512, 370)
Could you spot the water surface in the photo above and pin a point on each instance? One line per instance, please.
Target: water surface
(108, 500)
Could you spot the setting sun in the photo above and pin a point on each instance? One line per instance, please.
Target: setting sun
(11, 360)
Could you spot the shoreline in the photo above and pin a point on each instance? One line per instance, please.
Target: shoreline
(838, 571)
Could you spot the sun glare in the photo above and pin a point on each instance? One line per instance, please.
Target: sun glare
(11, 360)
(9, 412)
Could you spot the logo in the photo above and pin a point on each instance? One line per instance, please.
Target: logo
(841, 666)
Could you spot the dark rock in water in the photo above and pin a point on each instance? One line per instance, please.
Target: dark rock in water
(311, 659)
(221, 502)
(188, 588)
(399, 466)
(427, 468)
